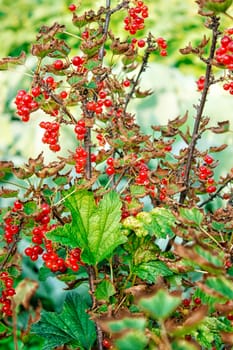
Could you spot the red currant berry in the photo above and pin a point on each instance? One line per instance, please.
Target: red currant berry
(58, 64)
(63, 94)
(208, 159)
(72, 7)
(110, 171)
(106, 343)
(126, 83)
(211, 189)
(141, 43)
(197, 301)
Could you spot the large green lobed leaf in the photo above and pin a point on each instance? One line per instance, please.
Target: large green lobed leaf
(71, 326)
(94, 228)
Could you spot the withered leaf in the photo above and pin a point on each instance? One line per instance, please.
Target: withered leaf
(35, 164)
(179, 121)
(142, 94)
(8, 193)
(227, 338)
(196, 316)
(6, 61)
(118, 47)
(91, 47)
(22, 173)
(6, 166)
(204, 42)
(50, 170)
(221, 128)
(24, 292)
(87, 17)
(187, 50)
(219, 148)
(46, 33)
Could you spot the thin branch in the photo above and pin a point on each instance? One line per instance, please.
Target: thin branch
(142, 69)
(92, 279)
(200, 108)
(214, 195)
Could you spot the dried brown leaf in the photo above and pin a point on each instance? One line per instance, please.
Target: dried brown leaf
(24, 292)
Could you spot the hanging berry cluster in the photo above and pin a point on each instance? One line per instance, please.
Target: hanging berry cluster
(206, 174)
(7, 292)
(136, 17)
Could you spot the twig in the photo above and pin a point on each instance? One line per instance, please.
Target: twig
(214, 195)
(142, 69)
(92, 278)
(215, 33)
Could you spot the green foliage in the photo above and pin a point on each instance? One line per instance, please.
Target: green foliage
(72, 326)
(151, 270)
(161, 305)
(94, 228)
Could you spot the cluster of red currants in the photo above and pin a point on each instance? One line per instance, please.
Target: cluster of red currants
(51, 135)
(80, 158)
(162, 45)
(110, 170)
(52, 260)
(11, 228)
(80, 129)
(228, 87)
(206, 173)
(224, 54)
(200, 83)
(143, 175)
(7, 292)
(39, 231)
(163, 189)
(73, 261)
(25, 104)
(136, 17)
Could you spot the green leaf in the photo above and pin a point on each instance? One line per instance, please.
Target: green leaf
(193, 215)
(149, 271)
(105, 290)
(44, 273)
(126, 323)
(162, 222)
(145, 252)
(183, 345)
(136, 190)
(209, 256)
(221, 285)
(131, 341)
(61, 180)
(30, 207)
(72, 325)
(95, 229)
(161, 305)
(218, 226)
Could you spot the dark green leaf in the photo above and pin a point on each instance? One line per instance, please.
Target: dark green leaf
(105, 290)
(30, 207)
(72, 325)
